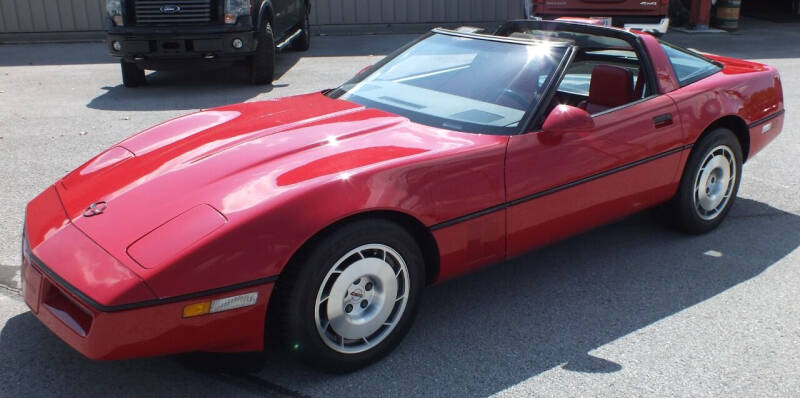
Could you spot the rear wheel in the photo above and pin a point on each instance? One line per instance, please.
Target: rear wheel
(352, 297)
(132, 75)
(262, 63)
(709, 184)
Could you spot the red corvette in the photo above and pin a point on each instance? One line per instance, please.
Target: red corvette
(318, 219)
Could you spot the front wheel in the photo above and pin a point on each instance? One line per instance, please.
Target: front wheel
(132, 75)
(352, 297)
(709, 184)
(262, 63)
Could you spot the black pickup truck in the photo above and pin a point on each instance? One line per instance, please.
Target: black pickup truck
(171, 34)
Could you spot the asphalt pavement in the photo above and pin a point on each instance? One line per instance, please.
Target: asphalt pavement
(629, 309)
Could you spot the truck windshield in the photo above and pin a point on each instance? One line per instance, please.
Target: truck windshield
(459, 83)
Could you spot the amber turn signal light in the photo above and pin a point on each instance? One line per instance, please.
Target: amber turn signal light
(220, 304)
(196, 309)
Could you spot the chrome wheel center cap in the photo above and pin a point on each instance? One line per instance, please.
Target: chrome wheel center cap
(714, 182)
(362, 298)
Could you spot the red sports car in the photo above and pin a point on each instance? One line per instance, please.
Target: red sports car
(318, 219)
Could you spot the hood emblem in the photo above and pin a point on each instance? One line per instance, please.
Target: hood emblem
(170, 9)
(95, 209)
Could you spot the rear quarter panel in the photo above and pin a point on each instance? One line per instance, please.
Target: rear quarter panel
(746, 90)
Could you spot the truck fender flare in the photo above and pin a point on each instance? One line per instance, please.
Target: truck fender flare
(265, 12)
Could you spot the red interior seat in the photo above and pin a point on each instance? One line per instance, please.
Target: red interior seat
(610, 87)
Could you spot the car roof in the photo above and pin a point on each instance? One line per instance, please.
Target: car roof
(519, 32)
(522, 25)
(581, 35)
(515, 39)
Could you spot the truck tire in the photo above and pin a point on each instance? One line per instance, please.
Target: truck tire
(303, 42)
(132, 75)
(262, 63)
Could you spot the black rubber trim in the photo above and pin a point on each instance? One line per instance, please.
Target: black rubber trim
(766, 119)
(555, 189)
(147, 303)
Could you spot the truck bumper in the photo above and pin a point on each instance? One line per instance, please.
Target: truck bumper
(659, 28)
(657, 25)
(156, 51)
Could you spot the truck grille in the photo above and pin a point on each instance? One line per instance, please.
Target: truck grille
(168, 12)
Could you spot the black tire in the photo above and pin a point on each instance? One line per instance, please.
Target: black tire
(303, 42)
(294, 300)
(262, 63)
(684, 210)
(132, 75)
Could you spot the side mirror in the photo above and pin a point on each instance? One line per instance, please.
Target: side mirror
(567, 119)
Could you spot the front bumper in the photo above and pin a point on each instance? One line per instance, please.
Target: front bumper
(157, 329)
(168, 47)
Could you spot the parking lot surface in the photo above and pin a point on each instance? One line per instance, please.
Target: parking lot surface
(629, 309)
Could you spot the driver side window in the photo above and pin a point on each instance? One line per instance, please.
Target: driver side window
(599, 80)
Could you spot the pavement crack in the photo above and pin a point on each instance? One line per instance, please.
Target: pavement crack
(10, 289)
(10, 277)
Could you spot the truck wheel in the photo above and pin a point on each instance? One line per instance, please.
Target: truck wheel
(303, 42)
(132, 75)
(262, 63)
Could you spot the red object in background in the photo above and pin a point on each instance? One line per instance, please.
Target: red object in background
(648, 15)
(265, 177)
(700, 14)
(585, 21)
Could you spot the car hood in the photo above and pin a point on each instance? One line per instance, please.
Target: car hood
(231, 159)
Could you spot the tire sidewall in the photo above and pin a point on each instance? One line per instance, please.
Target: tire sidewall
(689, 220)
(301, 325)
(263, 61)
(132, 75)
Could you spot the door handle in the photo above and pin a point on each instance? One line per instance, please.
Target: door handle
(662, 120)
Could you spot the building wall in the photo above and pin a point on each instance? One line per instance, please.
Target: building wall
(24, 16)
(351, 12)
(46, 16)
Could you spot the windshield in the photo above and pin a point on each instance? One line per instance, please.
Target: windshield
(459, 83)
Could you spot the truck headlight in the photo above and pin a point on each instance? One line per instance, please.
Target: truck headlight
(236, 8)
(114, 9)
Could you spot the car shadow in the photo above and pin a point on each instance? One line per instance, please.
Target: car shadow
(180, 91)
(493, 329)
(476, 335)
(190, 89)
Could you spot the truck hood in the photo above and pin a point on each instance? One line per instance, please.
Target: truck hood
(232, 159)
